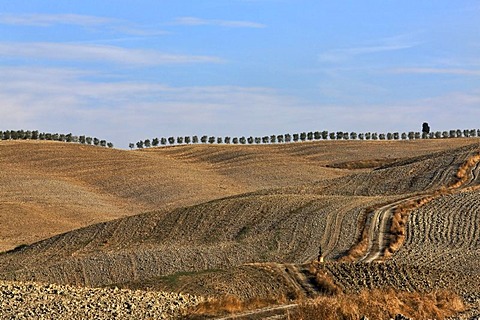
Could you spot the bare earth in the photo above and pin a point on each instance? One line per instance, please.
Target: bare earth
(212, 220)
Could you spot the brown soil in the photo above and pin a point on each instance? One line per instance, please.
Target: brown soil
(244, 220)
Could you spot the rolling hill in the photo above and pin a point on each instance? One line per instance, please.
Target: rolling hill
(244, 220)
(49, 188)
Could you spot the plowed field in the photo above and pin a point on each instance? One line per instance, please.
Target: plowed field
(244, 220)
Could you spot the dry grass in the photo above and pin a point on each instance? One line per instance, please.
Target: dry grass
(232, 304)
(381, 304)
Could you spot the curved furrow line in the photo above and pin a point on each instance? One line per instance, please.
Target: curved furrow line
(383, 236)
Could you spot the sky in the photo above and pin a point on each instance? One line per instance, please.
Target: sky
(126, 71)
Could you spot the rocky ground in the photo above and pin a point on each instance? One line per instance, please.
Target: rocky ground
(27, 300)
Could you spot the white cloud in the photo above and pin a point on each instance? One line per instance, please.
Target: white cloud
(192, 21)
(89, 52)
(395, 43)
(84, 21)
(47, 20)
(446, 71)
(67, 100)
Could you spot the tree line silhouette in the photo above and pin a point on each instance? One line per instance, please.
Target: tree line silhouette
(306, 136)
(36, 135)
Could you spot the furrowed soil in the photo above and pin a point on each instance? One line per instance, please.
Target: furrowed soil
(245, 221)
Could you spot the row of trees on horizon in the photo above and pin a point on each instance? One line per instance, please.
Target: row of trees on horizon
(306, 136)
(36, 135)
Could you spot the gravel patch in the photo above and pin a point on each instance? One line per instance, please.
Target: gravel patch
(28, 300)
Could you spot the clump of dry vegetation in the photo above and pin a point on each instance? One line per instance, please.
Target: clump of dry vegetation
(231, 304)
(380, 304)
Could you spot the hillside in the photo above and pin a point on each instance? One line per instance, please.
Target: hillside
(247, 220)
(285, 225)
(49, 188)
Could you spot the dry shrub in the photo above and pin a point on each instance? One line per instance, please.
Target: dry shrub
(381, 304)
(358, 250)
(232, 304)
(326, 285)
(227, 304)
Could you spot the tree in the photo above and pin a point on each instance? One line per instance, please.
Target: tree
(425, 128)
(296, 137)
(368, 136)
(361, 136)
(131, 145)
(187, 140)
(332, 135)
(219, 140)
(374, 136)
(28, 134)
(382, 136)
(317, 135)
(227, 140)
(389, 136)
(273, 138)
(452, 133)
(339, 135)
(438, 134)
(155, 142)
(211, 139)
(345, 136)
(81, 139)
(353, 135)
(140, 144)
(110, 145)
(96, 141)
(466, 133)
(258, 140)
(288, 137)
(204, 139)
(280, 138)
(473, 133)
(411, 135)
(242, 140)
(235, 140)
(179, 140)
(250, 140)
(324, 135)
(171, 140)
(265, 139)
(103, 143)
(88, 140)
(445, 134)
(404, 136)
(417, 135)
(163, 141)
(303, 136)
(194, 139)
(310, 136)
(459, 133)
(35, 135)
(147, 143)
(396, 135)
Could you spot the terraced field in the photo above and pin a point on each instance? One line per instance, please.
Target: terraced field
(245, 220)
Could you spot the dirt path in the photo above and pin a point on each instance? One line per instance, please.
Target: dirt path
(275, 312)
(380, 222)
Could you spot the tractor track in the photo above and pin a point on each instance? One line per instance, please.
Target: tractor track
(380, 220)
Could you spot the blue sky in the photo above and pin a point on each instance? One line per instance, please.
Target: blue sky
(125, 70)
